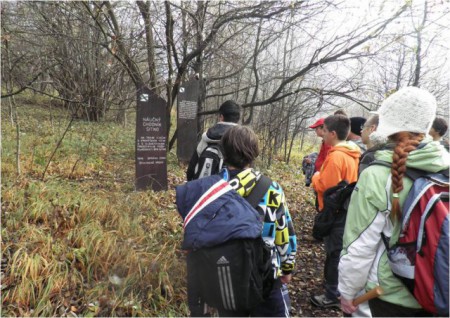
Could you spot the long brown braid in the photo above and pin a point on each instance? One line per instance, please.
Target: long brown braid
(405, 143)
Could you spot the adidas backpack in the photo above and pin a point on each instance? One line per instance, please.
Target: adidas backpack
(237, 273)
(420, 258)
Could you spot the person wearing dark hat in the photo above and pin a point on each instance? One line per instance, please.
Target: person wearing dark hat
(356, 126)
(229, 115)
(324, 148)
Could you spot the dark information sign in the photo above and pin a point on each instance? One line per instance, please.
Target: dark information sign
(187, 119)
(151, 141)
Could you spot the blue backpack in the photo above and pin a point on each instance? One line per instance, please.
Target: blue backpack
(222, 232)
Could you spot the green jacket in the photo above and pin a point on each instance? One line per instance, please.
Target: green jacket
(363, 262)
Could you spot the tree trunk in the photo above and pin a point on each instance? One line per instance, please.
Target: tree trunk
(17, 147)
(144, 8)
(419, 47)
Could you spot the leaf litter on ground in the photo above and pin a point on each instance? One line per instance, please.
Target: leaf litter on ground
(84, 243)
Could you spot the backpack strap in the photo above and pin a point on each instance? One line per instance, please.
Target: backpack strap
(411, 173)
(217, 149)
(215, 191)
(258, 192)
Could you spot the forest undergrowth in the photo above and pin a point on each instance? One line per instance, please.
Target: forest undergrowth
(78, 240)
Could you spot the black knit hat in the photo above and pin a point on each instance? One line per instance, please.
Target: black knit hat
(355, 125)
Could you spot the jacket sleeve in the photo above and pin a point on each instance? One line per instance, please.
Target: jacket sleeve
(285, 238)
(362, 236)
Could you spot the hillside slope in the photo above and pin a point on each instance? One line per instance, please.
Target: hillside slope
(82, 242)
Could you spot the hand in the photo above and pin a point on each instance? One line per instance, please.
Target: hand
(286, 279)
(347, 305)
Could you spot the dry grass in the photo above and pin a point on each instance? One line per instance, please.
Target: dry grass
(115, 249)
(83, 242)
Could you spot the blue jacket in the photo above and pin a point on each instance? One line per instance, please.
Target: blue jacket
(229, 216)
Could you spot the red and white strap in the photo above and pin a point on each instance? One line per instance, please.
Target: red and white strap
(212, 194)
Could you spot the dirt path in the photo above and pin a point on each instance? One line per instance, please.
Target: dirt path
(308, 279)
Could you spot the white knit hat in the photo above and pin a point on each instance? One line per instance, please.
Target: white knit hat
(409, 109)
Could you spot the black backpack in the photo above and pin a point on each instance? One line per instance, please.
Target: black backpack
(335, 201)
(210, 162)
(236, 275)
(308, 168)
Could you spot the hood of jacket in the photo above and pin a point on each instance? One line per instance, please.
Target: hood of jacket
(215, 133)
(349, 148)
(431, 157)
(242, 182)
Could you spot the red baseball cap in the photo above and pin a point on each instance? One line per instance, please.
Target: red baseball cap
(318, 123)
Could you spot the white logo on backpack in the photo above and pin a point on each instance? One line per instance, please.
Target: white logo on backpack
(222, 261)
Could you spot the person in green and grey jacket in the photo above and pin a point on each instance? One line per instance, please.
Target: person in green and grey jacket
(405, 118)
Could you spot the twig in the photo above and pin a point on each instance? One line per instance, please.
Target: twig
(57, 146)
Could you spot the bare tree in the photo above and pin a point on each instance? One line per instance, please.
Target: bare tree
(418, 30)
(283, 62)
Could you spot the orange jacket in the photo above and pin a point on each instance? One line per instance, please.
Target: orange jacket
(341, 164)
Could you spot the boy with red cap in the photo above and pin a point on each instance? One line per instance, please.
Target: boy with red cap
(324, 148)
(323, 152)
(341, 164)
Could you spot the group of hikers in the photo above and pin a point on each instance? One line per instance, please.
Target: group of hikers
(373, 179)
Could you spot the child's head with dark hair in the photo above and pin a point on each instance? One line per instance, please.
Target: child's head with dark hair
(230, 111)
(339, 124)
(340, 112)
(440, 126)
(240, 147)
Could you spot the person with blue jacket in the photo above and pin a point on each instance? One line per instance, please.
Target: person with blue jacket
(240, 146)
